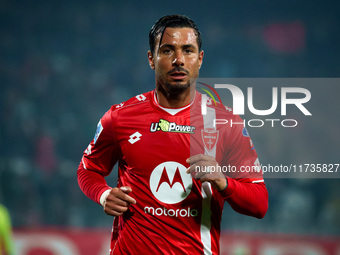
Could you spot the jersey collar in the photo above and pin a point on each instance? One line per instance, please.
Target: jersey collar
(172, 111)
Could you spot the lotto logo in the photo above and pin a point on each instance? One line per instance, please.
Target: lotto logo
(134, 137)
(141, 97)
(120, 105)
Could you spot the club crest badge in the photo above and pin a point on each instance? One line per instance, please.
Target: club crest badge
(209, 138)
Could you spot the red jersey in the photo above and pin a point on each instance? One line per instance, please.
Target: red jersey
(174, 214)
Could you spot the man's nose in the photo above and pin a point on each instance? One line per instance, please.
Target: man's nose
(178, 59)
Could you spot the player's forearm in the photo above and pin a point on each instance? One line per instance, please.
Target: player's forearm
(91, 183)
(247, 198)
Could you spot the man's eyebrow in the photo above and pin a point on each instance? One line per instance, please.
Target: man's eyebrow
(188, 46)
(167, 45)
(171, 46)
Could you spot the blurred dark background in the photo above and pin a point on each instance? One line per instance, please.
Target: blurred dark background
(64, 63)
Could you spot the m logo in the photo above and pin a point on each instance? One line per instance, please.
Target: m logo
(134, 137)
(165, 178)
(170, 183)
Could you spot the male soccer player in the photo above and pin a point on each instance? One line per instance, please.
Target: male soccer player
(166, 201)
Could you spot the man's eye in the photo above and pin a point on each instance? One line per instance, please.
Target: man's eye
(188, 51)
(166, 51)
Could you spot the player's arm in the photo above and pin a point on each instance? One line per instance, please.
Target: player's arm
(244, 197)
(200, 166)
(97, 162)
(245, 192)
(115, 201)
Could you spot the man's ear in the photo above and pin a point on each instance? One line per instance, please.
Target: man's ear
(151, 60)
(200, 58)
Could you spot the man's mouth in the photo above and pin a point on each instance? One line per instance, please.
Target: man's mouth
(178, 75)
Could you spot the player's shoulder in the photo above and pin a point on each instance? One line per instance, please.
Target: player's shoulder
(219, 107)
(133, 105)
(134, 102)
(222, 111)
(224, 108)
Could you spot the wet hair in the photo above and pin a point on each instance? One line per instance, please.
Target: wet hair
(172, 21)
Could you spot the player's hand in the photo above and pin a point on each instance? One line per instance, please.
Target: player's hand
(118, 201)
(205, 168)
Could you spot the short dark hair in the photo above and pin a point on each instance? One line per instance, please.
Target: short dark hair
(172, 21)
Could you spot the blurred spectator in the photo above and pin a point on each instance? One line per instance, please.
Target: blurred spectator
(45, 155)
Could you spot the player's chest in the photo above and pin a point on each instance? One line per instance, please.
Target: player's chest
(152, 139)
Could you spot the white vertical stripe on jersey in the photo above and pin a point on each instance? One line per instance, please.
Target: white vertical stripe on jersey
(208, 120)
(82, 159)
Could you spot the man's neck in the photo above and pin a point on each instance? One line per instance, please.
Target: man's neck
(175, 101)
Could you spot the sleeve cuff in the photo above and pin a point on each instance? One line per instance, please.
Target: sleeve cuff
(104, 196)
(229, 189)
